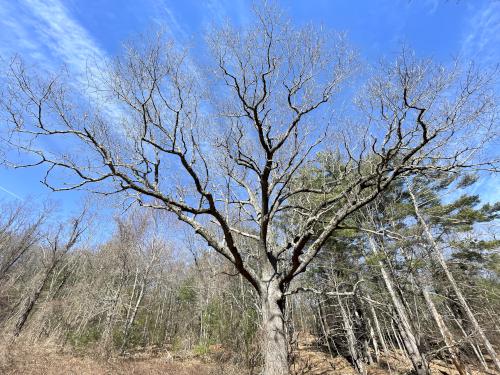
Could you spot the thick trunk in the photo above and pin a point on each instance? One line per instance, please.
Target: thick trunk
(274, 346)
(107, 335)
(363, 327)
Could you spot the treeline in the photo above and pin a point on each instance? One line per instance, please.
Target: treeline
(415, 274)
(133, 291)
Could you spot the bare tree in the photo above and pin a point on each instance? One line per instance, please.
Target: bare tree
(226, 159)
(19, 232)
(53, 253)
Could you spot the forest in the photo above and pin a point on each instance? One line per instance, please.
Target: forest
(275, 211)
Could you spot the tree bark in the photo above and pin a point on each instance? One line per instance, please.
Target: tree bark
(33, 298)
(445, 333)
(409, 341)
(274, 342)
(29, 304)
(324, 328)
(423, 286)
(131, 319)
(472, 344)
(438, 255)
(357, 359)
(377, 325)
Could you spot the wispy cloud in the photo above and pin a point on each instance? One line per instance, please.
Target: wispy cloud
(10, 193)
(166, 19)
(48, 36)
(46, 32)
(480, 44)
(482, 37)
(488, 188)
(65, 36)
(220, 10)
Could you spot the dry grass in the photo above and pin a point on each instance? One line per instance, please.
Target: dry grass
(51, 360)
(23, 359)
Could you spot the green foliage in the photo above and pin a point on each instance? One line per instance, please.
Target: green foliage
(202, 349)
(88, 336)
(187, 292)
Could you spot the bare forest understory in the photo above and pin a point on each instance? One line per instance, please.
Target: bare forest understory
(309, 357)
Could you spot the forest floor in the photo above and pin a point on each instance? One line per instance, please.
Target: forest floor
(309, 360)
(312, 360)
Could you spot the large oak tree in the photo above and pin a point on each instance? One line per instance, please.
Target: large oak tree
(222, 146)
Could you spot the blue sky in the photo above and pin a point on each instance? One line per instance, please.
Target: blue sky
(50, 33)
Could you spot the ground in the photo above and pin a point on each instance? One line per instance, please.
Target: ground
(50, 360)
(313, 361)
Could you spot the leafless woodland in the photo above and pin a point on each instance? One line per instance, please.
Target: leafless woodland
(317, 209)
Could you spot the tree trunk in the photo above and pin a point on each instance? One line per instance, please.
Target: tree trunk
(28, 307)
(398, 340)
(377, 324)
(324, 328)
(357, 359)
(274, 346)
(107, 333)
(423, 286)
(475, 349)
(33, 298)
(438, 255)
(131, 319)
(445, 333)
(374, 343)
(409, 341)
(363, 326)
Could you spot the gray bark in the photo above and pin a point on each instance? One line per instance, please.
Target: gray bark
(445, 333)
(30, 302)
(437, 254)
(409, 341)
(377, 326)
(357, 359)
(274, 342)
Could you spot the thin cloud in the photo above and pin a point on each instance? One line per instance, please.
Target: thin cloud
(46, 35)
(483, 35)
(10, 193)
(64, 35)
(220, 10)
